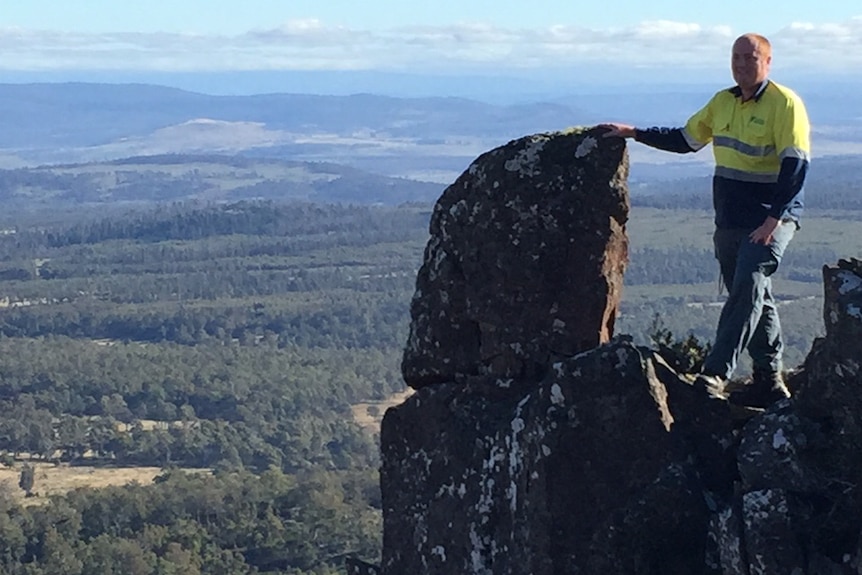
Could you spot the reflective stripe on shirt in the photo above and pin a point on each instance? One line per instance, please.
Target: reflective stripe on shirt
(742, 147)
(794, 153)
(692, 142)
(743, 176)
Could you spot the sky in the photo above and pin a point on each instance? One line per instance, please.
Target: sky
(679, 38)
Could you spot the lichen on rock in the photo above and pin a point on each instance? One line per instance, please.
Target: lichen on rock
(525, 259)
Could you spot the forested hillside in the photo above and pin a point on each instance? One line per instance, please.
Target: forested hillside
(231, 338)
(255, 325)
(184, 177)
(226, 342)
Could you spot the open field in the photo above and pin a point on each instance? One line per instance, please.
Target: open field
(369, 415)
(58, 479)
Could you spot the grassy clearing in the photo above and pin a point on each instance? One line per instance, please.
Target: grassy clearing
(369, 415)
(59, 479)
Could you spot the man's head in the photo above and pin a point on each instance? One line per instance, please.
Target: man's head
(751, 57)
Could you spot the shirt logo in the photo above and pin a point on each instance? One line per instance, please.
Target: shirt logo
(756, 120)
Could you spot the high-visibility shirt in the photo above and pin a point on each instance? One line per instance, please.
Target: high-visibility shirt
(750, 142)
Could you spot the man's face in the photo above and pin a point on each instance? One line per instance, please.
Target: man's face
(750, 64)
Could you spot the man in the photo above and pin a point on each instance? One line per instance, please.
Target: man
(760, 136)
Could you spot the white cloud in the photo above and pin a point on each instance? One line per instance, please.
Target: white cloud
(824, 46)
(661, 29)
(311, 44)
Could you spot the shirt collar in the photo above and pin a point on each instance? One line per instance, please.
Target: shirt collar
(737, 91)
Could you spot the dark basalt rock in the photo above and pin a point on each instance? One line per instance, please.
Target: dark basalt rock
(587, 471)
(525, 260)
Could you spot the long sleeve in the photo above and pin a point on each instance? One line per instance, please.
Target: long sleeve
(788, 188)
(793, 144)
(668, 139)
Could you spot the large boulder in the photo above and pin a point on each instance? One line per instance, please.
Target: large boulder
(525, 260)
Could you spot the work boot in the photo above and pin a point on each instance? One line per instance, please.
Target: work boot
(714, 385)
(765, 388)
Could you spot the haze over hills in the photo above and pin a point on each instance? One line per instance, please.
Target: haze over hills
(63, 123)
(428, 139)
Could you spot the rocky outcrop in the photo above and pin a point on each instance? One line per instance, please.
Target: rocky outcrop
(601, 458)
(577, 473)
(525, 261)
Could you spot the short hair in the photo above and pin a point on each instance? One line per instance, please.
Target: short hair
(760, 41)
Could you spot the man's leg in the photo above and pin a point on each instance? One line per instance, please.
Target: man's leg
(726, 243)
(766, 346)
(749, 288)
(723, 357)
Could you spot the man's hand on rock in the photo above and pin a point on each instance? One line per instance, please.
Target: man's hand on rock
(618, 130)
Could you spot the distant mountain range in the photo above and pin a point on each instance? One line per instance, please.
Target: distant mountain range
(72, 122)
(422, 139)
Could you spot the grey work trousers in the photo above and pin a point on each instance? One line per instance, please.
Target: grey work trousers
(749, 318)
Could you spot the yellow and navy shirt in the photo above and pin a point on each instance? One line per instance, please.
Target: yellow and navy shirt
(761, 148)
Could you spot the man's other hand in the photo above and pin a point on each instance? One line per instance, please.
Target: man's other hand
(763, 234)
(618, 130)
